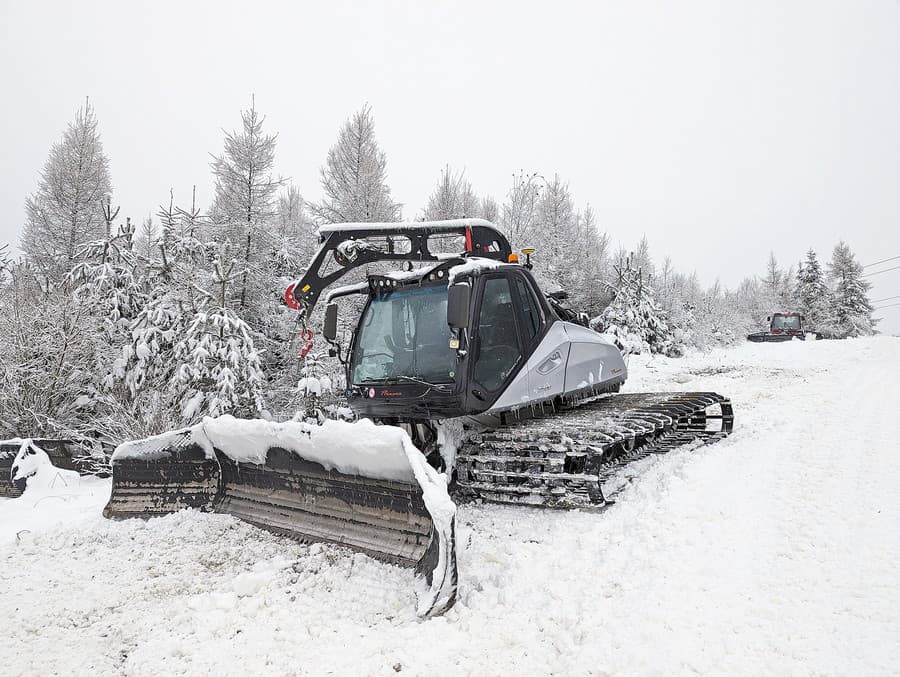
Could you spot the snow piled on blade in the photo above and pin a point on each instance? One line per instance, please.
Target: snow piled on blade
(360, 448)
(357, 448)
(158, 446)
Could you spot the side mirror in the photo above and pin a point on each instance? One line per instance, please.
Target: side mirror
(769, 318)
(329, 331)
(458, 305)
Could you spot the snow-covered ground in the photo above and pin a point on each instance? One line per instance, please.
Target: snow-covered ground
(773, 552)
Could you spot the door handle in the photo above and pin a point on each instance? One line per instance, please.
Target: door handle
(550, 363)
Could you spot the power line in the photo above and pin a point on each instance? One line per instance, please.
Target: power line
(890, 305)
(886, 298)
(882, 261)
(877, 272)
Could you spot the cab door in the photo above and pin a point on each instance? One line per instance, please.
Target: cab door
(547, 347)
(498, 348)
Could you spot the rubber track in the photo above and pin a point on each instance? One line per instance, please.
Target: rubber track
(563, 460)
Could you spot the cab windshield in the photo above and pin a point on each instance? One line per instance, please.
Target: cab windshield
(786, 322)
(404, 333)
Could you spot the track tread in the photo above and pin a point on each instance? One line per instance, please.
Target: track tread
(562, 460)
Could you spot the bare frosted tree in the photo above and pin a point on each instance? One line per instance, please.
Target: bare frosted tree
(145, 240)
(243, 209)
(65, 212)
(772, 281)
(489, 209)
(452, 198)
(354, 176)
(519, 214)
(290, 219)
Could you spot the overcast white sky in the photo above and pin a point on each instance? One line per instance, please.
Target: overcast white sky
(720, 130)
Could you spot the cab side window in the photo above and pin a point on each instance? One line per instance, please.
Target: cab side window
(531, 313)
(498, 343)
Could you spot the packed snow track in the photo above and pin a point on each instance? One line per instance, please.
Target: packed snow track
(771, 552)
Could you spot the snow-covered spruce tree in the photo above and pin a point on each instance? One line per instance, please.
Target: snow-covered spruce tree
(147, 365)
(104, 285)
(641, 259)
(452, 198)
(851, 310)
(244, 208)
(219, 369)
(354, 177)
(110, 292)
(65, 212)
(812, 292)
(633, 320)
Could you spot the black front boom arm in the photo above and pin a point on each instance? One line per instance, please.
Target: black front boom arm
(359, 244)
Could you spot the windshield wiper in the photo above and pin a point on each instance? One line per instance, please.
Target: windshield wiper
(411, 379)
(388, 380)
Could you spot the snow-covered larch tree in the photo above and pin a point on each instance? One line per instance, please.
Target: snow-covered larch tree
(772, 281)
(354, 177)
(851, 310)
(295, 239)
(244, 206)
(588, 271)
(558, 226)
(452, 198)
(66, 212)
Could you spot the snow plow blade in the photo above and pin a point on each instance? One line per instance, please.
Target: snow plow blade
(403, 517)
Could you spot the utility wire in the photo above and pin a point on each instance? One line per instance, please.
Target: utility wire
(890, 305)
(882, 261)
(886, 298)
(881, 271)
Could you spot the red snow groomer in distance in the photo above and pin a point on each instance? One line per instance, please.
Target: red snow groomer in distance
(782, 327)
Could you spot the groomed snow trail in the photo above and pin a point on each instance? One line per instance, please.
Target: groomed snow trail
(774, 551)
